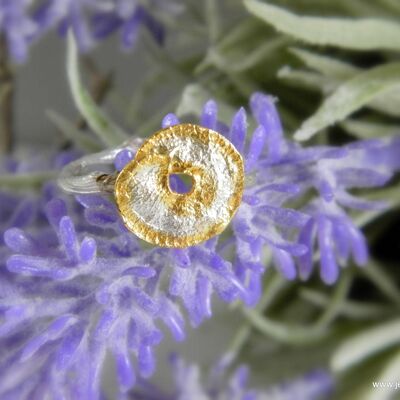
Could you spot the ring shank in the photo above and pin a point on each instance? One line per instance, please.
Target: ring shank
(81, 177)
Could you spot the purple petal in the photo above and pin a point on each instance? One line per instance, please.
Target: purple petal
(256, 147)
(358, 245)
(284, 263)
(169, 120)
(20, 242)
(101, 217)
(104, 24)
(51, 333)
(361, 177)
(122, 159)
(125, 373)
(341, 239)
(182, 258)
(305, 261)
(238, 130)
(95, 201)
(37, 266)
(140, 272)
(283, 216)
(326, 190)
(209, 115)
(146, 361)
(203, 296)
(290, 188)
(88, 250)
(69, 347)
(329, 267)
(129, 30)
(55, 210)
(68, 238)
(172, 317)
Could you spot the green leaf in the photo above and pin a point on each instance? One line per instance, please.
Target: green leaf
(392, 5)
(355, 310)
(390, 373)
(383, 280)
(351, 96)
(102, 125)
(335, 71)
(239, 33)
(70, 131)
(389, 194)
(246, 58)
(284, 332)
(368, 130)
(356, 34)
(26, 181)
(306, 79)
(328, 66)
(358, 347)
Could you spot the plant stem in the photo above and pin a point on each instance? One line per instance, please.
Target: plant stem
(6, 99)
(272, 288)
(29, 180)
(99, 87)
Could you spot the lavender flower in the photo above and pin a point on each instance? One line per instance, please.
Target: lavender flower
(92, 20)
(120, 307)
(220, 385)
(23, 21)
(17, 27)
(20, 209)
(280, 172)
(82, 285)
(79, 284)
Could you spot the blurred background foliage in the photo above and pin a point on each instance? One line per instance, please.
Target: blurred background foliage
(334, 67)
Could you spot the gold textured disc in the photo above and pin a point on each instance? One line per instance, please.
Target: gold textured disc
(157, 214)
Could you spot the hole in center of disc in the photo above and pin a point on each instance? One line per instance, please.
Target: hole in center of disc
(180, 183)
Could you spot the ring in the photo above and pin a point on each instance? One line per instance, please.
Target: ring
(144, 190)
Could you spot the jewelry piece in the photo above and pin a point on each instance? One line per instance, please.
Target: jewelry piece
(147, 204)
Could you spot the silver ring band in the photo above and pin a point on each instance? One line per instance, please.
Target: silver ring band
(81, 177)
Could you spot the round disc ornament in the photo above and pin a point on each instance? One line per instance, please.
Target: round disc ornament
(161, 216)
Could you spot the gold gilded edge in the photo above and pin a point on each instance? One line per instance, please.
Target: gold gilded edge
(141, 229)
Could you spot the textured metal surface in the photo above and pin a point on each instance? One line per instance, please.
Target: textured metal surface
(155, 213)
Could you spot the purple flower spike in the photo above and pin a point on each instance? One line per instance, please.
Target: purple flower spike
(282, 171)
(221, 384)
(80, 285)
(23, 21)
(91, 287)
(17, 26)
(130, 29)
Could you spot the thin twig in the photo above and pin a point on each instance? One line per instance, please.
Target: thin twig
(6, 99)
